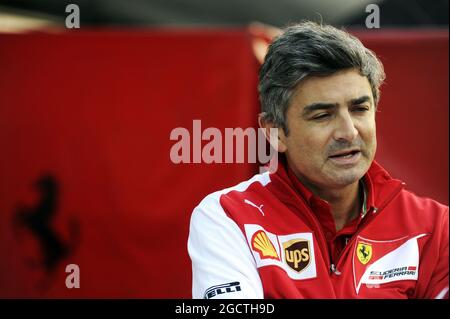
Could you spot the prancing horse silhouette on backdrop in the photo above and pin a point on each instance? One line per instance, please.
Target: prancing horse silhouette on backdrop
(38, 219)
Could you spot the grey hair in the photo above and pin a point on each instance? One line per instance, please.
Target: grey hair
(310, 49)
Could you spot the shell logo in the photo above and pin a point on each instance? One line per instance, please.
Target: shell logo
(262, 244)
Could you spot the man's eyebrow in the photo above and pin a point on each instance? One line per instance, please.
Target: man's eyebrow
(360, 100)
(317, 106)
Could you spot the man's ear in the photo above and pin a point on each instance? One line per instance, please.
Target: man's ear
(274, 135)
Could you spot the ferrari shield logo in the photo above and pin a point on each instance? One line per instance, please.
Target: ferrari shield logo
(364, 252)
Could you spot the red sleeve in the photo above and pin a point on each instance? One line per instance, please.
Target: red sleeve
(438, 284)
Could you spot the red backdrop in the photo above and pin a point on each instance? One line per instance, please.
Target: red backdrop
(93, 112)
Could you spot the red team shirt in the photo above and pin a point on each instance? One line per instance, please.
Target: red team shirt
(270, 237)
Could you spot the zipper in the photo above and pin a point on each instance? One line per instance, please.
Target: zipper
(321, 242)
(375, 211)
(324, 244)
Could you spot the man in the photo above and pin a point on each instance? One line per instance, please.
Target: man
(330, 222)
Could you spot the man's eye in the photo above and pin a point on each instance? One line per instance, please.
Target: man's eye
(361, 109)
(321, 116)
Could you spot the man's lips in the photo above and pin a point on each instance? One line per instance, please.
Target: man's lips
(345, 158)
(345, 153)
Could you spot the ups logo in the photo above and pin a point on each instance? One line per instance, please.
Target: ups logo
(297, 254)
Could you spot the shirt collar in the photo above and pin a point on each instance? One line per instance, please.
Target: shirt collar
(309, 197)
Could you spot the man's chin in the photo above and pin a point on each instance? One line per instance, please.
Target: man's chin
(347, 177)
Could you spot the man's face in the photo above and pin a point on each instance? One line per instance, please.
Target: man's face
(332, 134)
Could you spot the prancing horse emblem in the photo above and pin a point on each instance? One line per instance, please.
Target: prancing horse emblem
(364, 252)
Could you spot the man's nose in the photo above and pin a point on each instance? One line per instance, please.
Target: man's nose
(345, 128)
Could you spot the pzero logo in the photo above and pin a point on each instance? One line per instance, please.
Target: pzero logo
(222, 289)
(262, 244)
(297, 254)
(364, 252)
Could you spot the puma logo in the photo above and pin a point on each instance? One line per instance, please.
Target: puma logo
(254, 205)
